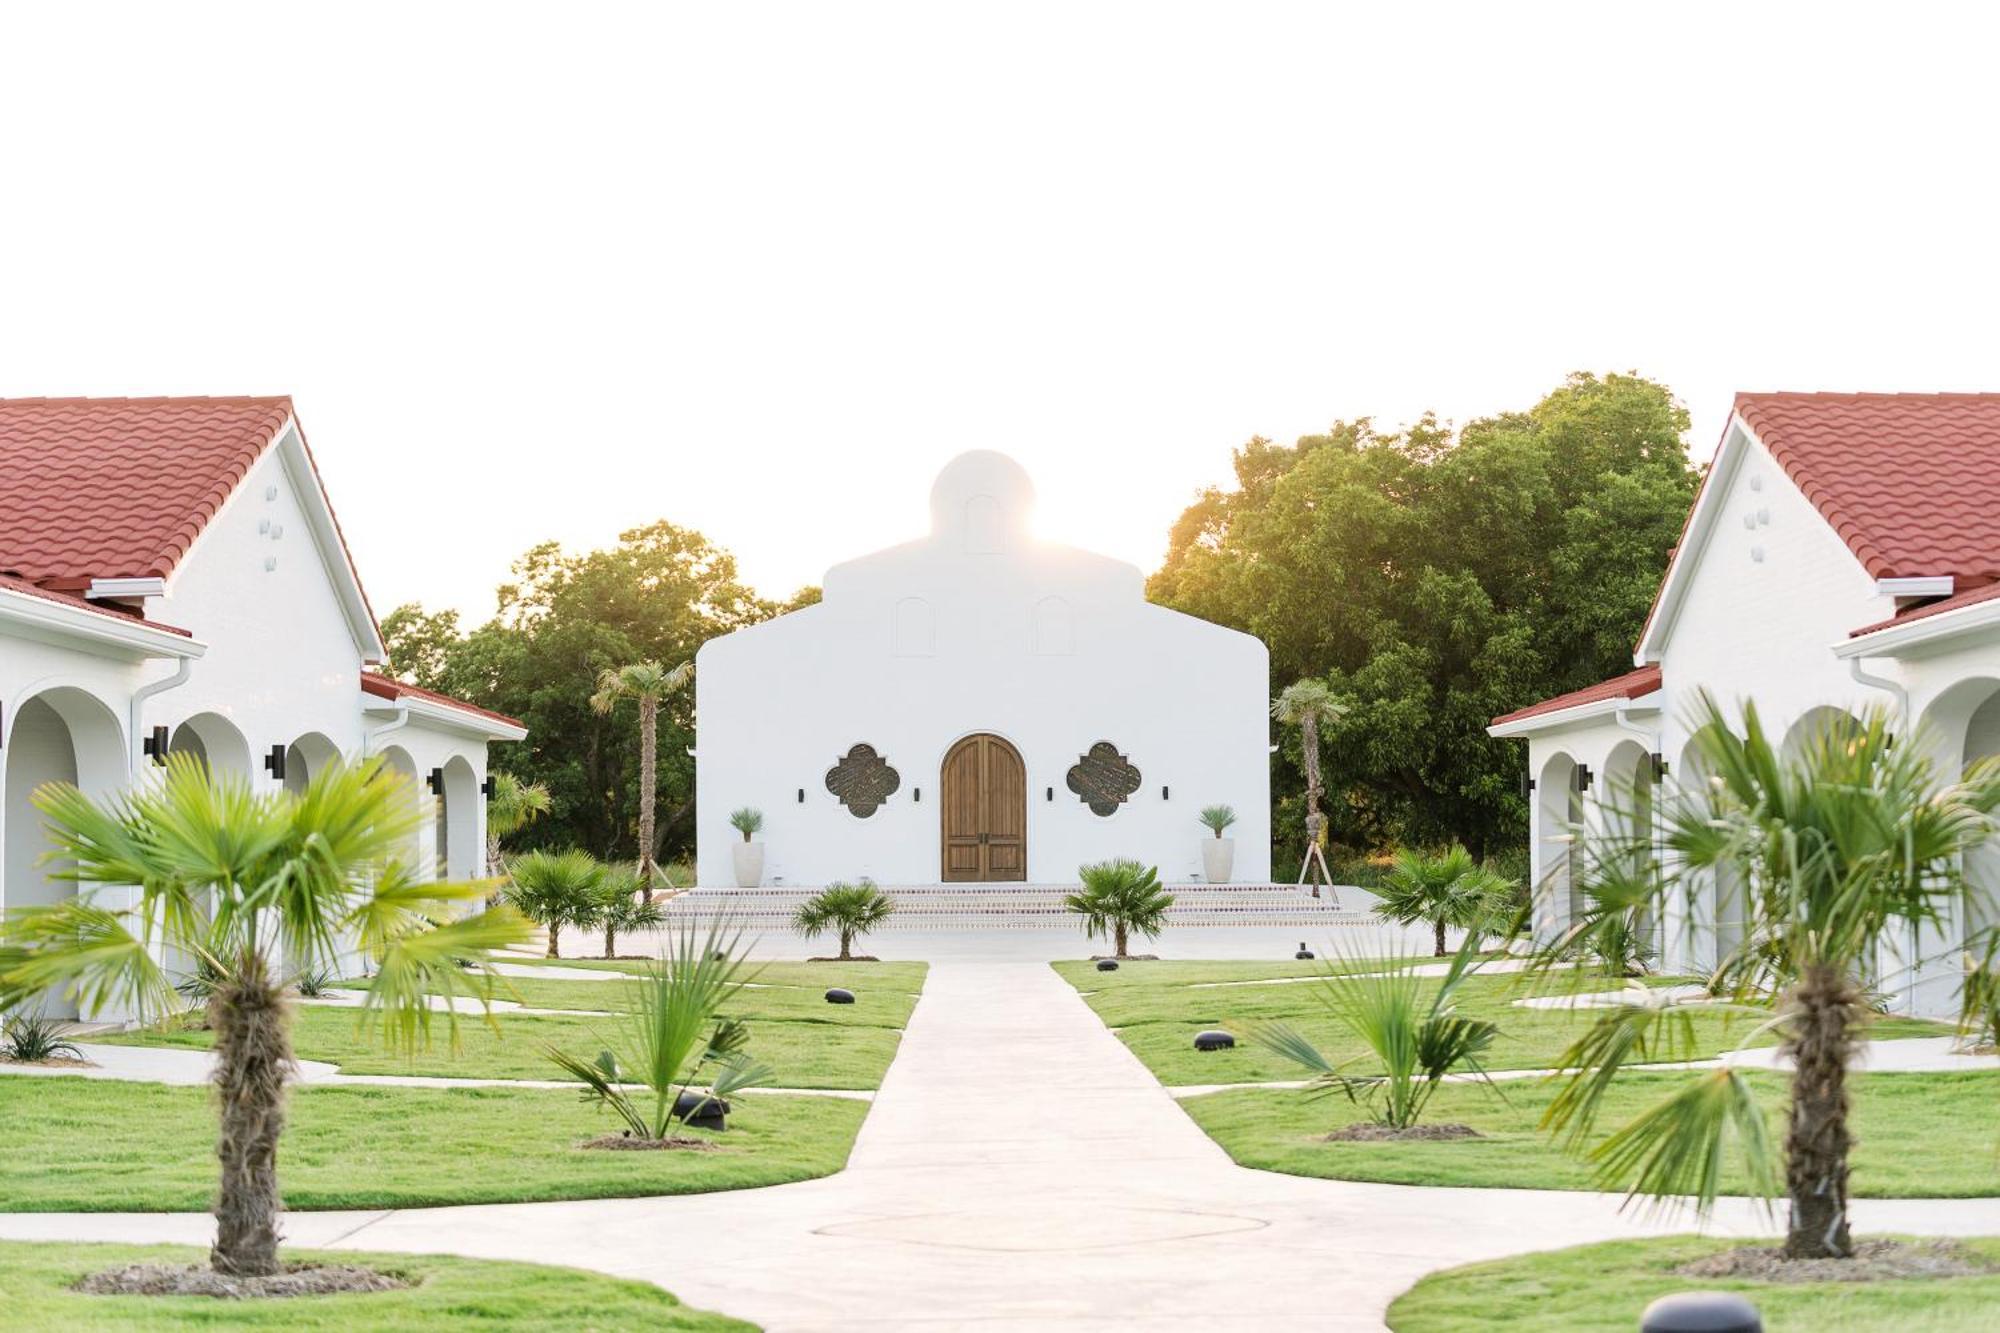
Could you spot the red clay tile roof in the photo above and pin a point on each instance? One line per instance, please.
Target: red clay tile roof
(388, 687)
(99, 488)
(1631, 685)
(1924, 612)
(1911, 481)
(22, 586)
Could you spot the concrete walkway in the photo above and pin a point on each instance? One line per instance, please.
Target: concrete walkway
(1019, 1170)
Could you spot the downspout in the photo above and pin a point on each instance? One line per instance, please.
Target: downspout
(369, 738)
(1901, 693)
(139, 698)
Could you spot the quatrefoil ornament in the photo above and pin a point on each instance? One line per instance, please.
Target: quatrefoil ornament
(863, 780)
(1103, 778)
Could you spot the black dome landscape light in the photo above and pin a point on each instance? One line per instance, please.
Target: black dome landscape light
(1701, 1312)
(1304, 954)
(1107, 965)
(1213, 1040)
(839, 996)
(701, 1111)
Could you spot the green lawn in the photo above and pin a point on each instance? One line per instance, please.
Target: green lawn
(88, 1145)
(1156, 1008)
(1918, 1135)
(35, 1281)
(808, 1042)
(1606, 1287)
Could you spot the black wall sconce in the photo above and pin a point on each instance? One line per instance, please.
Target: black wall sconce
(1164, 793)
(435, 781)
(1659, 765)
(1051, 793)
(155, 746)
(1583, 777)
(916, 793)
(802, 796)
(1527, 786)
(274, 762)
(486, 787)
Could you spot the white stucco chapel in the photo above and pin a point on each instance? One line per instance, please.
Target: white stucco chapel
(980, 706)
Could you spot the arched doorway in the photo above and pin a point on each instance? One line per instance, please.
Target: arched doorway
(306, 758)
(983, 815)
(59, 735)
(417, 857)
(458, 850)
(214, 740)
(1558, 812)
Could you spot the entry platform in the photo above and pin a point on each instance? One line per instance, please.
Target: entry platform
(1029, 906)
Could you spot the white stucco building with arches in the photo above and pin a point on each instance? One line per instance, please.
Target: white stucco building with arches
(1843, 553)
(979, 706)
(173, 579)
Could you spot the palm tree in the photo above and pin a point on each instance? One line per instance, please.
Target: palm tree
(557, 889)
(1447, 889)
(1306, 704)
(649, 683)
(1851, 842)
(239, 880)
(849, 909)
(513, 806)
(1410, 1027)
(1118, 898)
(674, 1029)
(622, 909)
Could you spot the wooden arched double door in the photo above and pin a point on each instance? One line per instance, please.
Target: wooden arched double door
(984, 812)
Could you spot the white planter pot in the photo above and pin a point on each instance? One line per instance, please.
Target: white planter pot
(1218, 858)
(749, 858)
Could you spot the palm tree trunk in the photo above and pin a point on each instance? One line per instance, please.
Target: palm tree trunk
(1820, 1041)
(1440, 939)
(610, 940)
(649, 720)
(555, 933)
(253, 1054)
(1118, 935)
(1309, 752)
(846, 943)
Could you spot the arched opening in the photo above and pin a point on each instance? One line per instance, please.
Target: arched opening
(458, 806)
(306, 758)
(1964, 726)
(1816, 724)
(983, 811)
(1719, 905)
(60, 735)
(1626, 800)
(1558, 813)
(214, 740)
(418, 857)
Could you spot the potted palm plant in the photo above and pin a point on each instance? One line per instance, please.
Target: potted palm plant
(1218, 854)
(749, 854)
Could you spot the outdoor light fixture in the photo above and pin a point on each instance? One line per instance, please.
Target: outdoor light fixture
(1659, 765)
(916, 793)
(1164, 793)
(1583, 777)
(1527, 786)
(802, 796)
(155, 745)
(274, 762)
(1051, 793)
(435, 781)
(486, 788)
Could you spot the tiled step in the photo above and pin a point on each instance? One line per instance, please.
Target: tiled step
(955, 906)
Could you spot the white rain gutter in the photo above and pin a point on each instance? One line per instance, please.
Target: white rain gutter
(139, 698)
(1895, 688)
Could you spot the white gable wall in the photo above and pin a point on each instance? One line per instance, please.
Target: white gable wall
(1762, 629)
(282, 659)
(981, 629)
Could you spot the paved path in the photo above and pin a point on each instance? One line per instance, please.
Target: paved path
(1019, 1170)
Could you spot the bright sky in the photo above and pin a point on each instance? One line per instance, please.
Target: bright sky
(556, 272)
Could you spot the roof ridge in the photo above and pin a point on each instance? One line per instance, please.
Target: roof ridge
(233, 399)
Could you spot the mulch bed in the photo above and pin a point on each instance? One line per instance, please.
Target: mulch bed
(633, 1143)
(1371, 1132)
(857, 958)
(1873, 1261)
(53, 1062)
(201, 1280)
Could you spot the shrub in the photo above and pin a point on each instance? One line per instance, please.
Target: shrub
(557, 889)
(849, 909)
(31, 1039)
(1119, 898)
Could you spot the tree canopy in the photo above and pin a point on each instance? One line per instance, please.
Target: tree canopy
(564, 618)
(1436, 580)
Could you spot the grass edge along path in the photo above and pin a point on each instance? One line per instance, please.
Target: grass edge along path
(36, 1277)
(1604, 1287)
(97, 1145)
